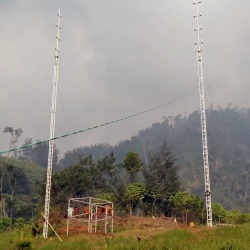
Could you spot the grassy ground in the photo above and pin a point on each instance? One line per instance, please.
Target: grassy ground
(8, 239)
(201, 238)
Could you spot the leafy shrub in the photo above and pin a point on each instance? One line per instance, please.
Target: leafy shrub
(5, 223)
(24, 244)
(227, 247)
(19, 223)
(237, 217)
(219, 213)
(242, 218)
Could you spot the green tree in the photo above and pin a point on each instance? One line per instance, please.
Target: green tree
(86, 178)
(151, 197)
(186, 205)
(12, 181)
(28, 152)
(106, 166)
(161, 172)
(219, 213)
(15, 134)
(134, 194)
(237, 217)
(38, 153)
(75, 181)
(132, 163)
(14, 184)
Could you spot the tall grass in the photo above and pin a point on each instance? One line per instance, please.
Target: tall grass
(67, 245)
(230, 238)
(222, 239)
(8, 239)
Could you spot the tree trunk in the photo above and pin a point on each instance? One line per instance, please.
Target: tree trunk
(2, 201)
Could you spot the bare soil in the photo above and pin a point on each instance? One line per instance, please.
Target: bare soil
(128, 226)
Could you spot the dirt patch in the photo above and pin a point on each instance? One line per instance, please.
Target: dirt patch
(123, 226)
(134, 222)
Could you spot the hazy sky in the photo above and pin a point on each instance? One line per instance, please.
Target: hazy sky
(116, 58)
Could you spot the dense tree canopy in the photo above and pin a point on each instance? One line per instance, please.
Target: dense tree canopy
(132, 163)
(86, 178)
(38, 153)
(228, 131)
(109, 173)
(133, 194)
(97, 178)
(161, 172)
(185, 204)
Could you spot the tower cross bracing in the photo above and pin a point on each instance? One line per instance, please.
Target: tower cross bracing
(198, 44)
(52, 131)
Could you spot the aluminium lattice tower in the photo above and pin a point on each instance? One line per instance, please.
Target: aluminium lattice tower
(198, 44)
(52, 130)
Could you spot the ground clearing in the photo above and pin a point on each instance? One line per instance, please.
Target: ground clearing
(142, 233)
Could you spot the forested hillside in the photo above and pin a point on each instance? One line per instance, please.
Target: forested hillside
(101, 169)
(19, 182)
(229, 152)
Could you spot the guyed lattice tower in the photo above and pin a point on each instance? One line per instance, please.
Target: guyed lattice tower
(52, 131)
(198, 44)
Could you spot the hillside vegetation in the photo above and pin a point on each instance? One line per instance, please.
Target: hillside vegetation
(19, 187)
(156, 175)
(166, 160)
(228, 133)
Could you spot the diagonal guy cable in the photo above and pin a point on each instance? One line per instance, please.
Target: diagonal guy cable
(98, 126)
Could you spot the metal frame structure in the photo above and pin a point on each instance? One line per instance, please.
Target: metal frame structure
(91, 216)
(52, 131)
(198, 44)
